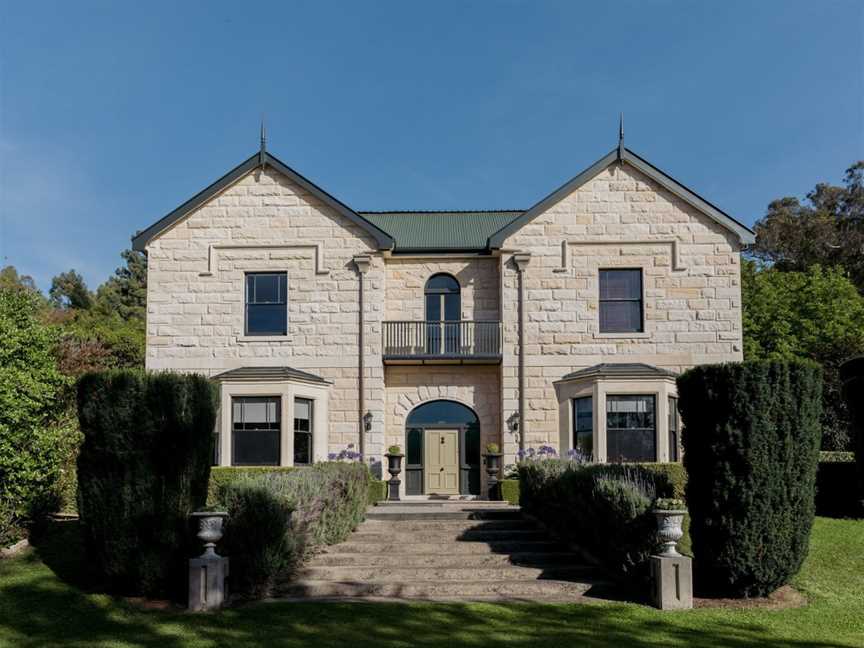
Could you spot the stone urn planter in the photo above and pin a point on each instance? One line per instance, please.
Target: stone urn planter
(670, 521)
(210, 529)
(394, 467)
(493, 468)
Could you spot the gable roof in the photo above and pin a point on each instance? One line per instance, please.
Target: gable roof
(625, 156)
(424, 231)
(260, 159)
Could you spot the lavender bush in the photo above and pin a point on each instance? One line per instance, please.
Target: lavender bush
(277, 519)
(604, 508)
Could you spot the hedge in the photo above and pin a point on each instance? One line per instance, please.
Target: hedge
(143, 468)
(852, 376)
(834, 496)
(377, 491)
(221, 476)
(751, 446)
(275, 519)
(510, 490)
(589, 504)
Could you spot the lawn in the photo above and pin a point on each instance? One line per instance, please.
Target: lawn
(40, 605)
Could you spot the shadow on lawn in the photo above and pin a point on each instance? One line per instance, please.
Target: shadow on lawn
(42, 611)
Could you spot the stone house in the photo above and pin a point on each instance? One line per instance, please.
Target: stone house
(561, 325)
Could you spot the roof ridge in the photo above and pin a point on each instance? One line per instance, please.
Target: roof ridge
(443, 211)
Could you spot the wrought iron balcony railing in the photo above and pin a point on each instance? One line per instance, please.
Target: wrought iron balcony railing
(441, 342)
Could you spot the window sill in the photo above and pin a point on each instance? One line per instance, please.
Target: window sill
(614, 336)
(262, 338)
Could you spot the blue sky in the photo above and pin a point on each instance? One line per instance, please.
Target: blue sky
(113, 113)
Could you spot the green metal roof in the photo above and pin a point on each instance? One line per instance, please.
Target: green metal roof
(441, 230)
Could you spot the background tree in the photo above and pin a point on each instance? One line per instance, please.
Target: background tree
(126, 292)
(828, 229)
(37, 440)
(10, 279)
(68, 291)
(816, 314)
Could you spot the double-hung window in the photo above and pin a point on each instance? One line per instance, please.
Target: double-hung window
(583, 425)
(621, 308)
(631, 425)
(673, 429)
(302, 431)
(266, 303)
(256, 431)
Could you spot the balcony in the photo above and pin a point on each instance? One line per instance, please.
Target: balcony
(463, 342)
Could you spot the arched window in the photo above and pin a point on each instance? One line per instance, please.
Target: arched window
(440, 418)
(443, 304)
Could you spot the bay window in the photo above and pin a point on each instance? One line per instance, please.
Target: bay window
(631, 428)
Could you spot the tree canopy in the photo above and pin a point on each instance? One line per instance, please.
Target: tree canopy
(816, 314)
(827, 229)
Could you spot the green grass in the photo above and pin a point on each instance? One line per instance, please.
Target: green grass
(41, 605)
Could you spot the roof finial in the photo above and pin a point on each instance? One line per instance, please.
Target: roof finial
(262, 152)
(621, 136)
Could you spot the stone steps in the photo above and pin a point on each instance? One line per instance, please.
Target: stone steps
(527, 590)
(445, 550)
(448, 559)
(469, 535)
(417, 513)
(376, 525)
(459, 548)
(442, 574)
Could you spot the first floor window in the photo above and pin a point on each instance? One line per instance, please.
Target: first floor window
(631, 427)
(267, 303)
(673, 429)
(302, 431)
(621, 301)
(583, 425)
(256, 431)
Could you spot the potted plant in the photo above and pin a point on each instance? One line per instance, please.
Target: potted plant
(493, 467)
(210, 524)
(394, 467)
(670, 518)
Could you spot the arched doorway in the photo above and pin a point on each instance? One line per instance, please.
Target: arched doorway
(443, 313)
(442, 450)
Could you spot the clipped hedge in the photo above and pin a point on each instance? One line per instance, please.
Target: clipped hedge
(142, 469)
(591, 504)
(377, 491)
(221, 476)
(751, 446)
(277, 518)
(852, 377)
(510, 490)
(834, 496)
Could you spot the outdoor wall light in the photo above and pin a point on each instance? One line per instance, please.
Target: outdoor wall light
(367, 421)
(513, 422)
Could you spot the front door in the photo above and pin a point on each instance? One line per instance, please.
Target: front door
(441, 463)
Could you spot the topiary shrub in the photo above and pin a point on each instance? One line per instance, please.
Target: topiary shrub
(751, 445)
(510, 490)
(142, 469)
(377, 491)
(325, 502)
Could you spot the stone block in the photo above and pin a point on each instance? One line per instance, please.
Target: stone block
(208, 583)
(672, 582)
